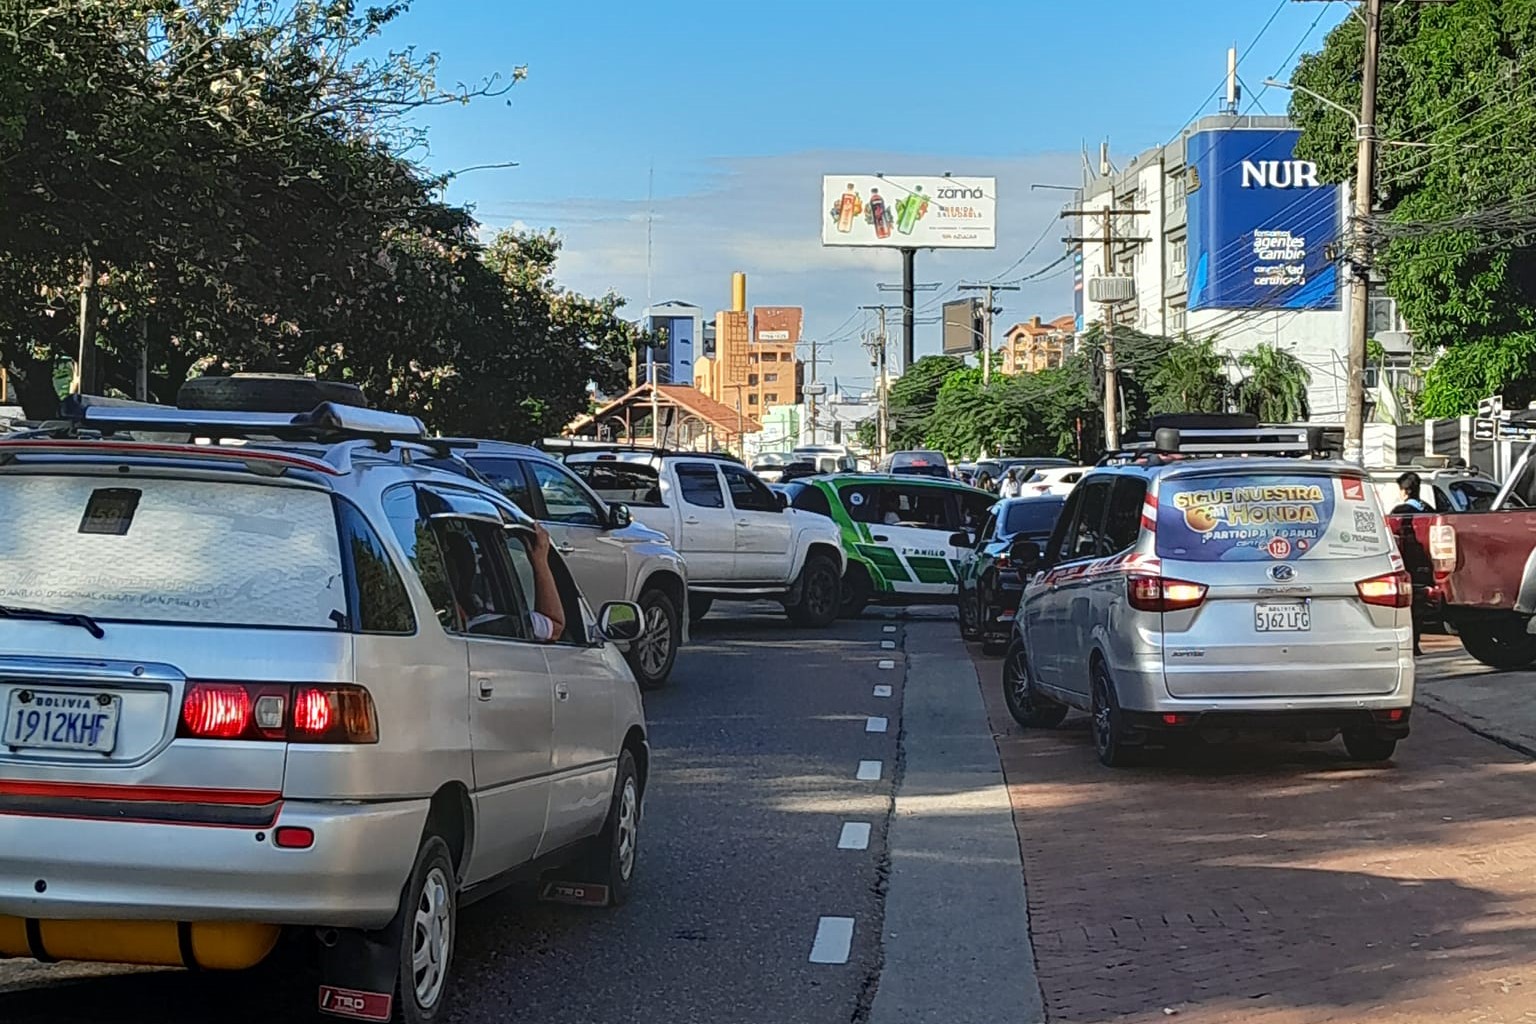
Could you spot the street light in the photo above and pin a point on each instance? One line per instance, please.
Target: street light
(1275, 83)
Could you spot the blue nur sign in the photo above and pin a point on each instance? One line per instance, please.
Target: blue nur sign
(1260, 224)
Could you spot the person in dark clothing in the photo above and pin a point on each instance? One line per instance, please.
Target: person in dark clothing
(1412, 505)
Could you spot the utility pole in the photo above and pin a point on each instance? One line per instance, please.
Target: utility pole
(986, 323)
(908, 315)
(1107, 217)
(876, 346)
(810, 398)
(1360, 257)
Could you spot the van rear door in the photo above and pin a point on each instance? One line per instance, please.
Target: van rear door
(1282, 557)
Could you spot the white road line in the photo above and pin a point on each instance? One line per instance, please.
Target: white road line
(869, 771)
(875, 723)
(855, 836)
(887, 663)
(882, 690)
(889, 629)
(889, 645)
(834, 938)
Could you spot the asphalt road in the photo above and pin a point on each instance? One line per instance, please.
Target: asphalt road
(757, 744)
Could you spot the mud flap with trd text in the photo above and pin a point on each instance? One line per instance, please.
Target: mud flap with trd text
(358, 973)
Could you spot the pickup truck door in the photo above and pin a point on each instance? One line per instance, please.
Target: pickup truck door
(764, 534)
(706, 531)
(578, 526)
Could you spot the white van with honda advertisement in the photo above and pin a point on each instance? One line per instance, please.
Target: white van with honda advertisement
(1187, 594)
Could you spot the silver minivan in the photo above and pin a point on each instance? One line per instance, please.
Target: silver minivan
(292, 684)
(1184, 596)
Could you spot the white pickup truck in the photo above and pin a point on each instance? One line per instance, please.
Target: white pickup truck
(737, 537)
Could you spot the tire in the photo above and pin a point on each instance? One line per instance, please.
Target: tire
(615, 852)
(857, 592)
(431, 909)
(1367, 746)
(970, 630)
(653, 655)
(266, 393)
(1500, 643)
(820, 594)
(1027, 706)
(698, 607)
(1108, 726)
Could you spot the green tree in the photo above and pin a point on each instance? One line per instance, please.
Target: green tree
(1456, 209)
(1274, 387)
(914, 397)
(1191, 377)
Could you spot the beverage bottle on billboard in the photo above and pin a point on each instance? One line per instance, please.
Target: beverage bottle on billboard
(911, 210)
(878, 213)
(846, 209)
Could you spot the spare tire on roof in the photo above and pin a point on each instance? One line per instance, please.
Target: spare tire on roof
(266, 392)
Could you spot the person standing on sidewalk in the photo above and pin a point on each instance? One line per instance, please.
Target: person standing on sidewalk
(1012, 486)
(1412, 505)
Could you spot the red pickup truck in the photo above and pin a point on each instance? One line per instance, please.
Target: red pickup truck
(1475, 572)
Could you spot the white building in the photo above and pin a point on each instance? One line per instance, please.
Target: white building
(1234, 240)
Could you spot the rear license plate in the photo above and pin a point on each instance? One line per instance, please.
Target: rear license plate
(56, 720)
(1289, 617)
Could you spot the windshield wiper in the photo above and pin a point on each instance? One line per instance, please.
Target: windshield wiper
(85, 622)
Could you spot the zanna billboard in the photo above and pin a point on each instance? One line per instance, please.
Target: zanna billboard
(909, 213)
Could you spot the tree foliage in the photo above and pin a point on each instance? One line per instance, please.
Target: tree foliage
(1274, 387)
(1191, 377)
(1456, 210)
(233, 181)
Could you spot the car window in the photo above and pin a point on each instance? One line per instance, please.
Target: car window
(380, 603)
(700, 484)
(1088, 533)
(564, 499)
(416, 539)
(1032, 517)
(809, 498)
(522, 581)
(485, 602)
(748, 493)
(624, 483)
(923, 508)
(1123, 524)
(507, 476)
(988, 531)
(1058, 549)
(862, 502)
(1259, 517)
(974, 508)
(1473, 495)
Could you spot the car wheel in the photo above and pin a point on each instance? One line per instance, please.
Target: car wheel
(856, 592)
(968, 627)
(615, 852)
(651, 657)
(426, 941)
(1500, 643)
(698, 607)
(1108, 724)
(820, 594)
(1368, 746)
(1025, 704)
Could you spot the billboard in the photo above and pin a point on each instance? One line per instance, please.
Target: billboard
(962, 327)
(909, 212)
(777, 324)
(1260, 224)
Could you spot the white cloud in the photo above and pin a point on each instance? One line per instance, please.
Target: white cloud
(760, 215)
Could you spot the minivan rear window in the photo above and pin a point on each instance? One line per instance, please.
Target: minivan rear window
(1252, 517)
(141, 549)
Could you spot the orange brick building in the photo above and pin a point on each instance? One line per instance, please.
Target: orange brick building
(754, 366)
(1035, 346)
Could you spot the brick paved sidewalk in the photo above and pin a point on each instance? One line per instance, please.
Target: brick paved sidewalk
(1280, 884)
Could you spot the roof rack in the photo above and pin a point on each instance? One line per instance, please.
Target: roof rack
(327, 422)
(571, 445)
(1172, 443)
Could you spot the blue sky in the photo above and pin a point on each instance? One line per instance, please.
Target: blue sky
(741, 107)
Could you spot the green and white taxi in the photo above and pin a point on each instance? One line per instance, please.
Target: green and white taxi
(905, 536)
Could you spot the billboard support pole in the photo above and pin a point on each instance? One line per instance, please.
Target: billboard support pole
(908, 314)
(1365, 189)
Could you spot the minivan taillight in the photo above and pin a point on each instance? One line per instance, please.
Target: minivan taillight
(1392, 590)
(1159, 594)
(306, 713)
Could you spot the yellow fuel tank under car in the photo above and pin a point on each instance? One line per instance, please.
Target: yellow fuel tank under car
(203, 945)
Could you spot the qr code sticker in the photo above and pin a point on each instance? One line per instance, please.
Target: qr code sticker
(1365, 522)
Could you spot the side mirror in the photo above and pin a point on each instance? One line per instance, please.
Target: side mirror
(960, 540)
(619, 516)
(621, 621)
(1026, 555)
(783, 499)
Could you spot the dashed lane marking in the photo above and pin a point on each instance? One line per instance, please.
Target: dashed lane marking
(889, 629)
(882, 690)
(834, 938)
(887, 663)
(855, 836)
(889, 645)
(869, 771)
(876, 723)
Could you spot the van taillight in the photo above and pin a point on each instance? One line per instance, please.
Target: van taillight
(1158, 594)
(307, 713)
(1392, 590)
